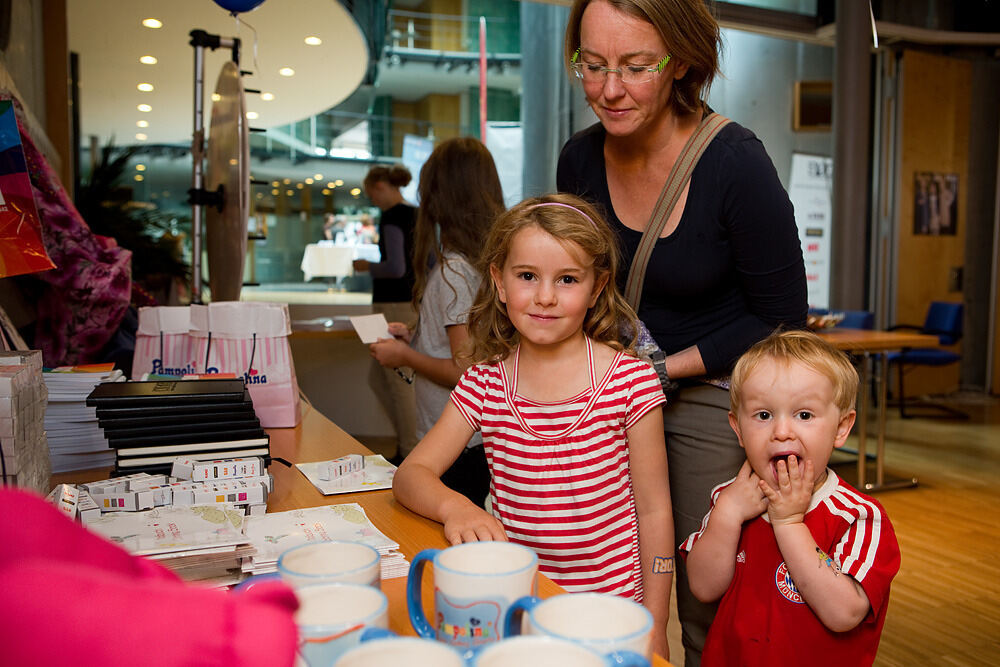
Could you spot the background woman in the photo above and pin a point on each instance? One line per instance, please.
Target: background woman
(460, 196)
(727, 269)
(392, 289)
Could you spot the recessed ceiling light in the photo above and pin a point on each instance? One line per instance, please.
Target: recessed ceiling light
(140, 136)
(152, 23)
(331, 185)
(287, 181)
(139, 178)
(318, 177)
(216, 97)
(355, 191)
(289, 192)
(145, 108)
(339, 182)
(274, 191)
(313, 40)
(299, 186)
(148, 60)
(233, 162)
(140, 167)
(286, 71)
(309, 181)
(252, 115)
(145, 87)
(325, 191)
(260, 195)
(267, 97)
(142, 123)
(274, 184)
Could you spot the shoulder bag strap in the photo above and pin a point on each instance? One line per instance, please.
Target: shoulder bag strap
(679, 176)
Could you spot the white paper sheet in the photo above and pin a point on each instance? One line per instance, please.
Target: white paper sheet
(370, 327)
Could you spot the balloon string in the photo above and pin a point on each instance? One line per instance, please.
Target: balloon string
(239, 22)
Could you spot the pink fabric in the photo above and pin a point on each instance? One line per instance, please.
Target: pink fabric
(90, 288)
(70, 597)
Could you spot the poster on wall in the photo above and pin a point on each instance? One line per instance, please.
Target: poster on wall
(810, 189)
(935, 203)
(416, 150)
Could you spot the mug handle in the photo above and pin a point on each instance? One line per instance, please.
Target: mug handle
(252, 581)
(515, 612)
(373, 633)
(414, 603)
(626, 658)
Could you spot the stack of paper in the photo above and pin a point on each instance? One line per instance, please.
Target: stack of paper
(274, 533)
(202, 543)
(75, 440)
(24, 454)
(376, 474)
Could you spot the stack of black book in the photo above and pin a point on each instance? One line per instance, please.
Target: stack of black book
(151, 423)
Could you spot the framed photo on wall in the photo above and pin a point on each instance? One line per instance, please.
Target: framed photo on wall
(935, 203)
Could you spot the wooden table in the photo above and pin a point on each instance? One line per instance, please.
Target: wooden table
(316, 438)
(866, 343)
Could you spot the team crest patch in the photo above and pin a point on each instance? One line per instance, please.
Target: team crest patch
(785, 584)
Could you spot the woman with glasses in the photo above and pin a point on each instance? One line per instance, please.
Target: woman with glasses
(727, 268)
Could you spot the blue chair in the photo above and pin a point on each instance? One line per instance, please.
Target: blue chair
(944, 320)
(857, 319)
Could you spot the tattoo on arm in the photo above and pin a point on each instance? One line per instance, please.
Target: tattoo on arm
(826, 560)
(663, 564)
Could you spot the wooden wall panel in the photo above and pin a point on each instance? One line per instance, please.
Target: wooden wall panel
(934, 137)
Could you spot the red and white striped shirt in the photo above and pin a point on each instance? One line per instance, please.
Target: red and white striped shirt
(560, 471)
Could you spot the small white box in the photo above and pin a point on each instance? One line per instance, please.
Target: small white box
(129, 501)
(66, 498)
(344, 465)
(86, 509)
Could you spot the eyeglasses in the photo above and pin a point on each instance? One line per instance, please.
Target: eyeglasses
(593, 73)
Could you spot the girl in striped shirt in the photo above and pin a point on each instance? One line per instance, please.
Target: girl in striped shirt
(570, 420)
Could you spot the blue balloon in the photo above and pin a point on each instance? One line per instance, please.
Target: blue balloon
(236, 6)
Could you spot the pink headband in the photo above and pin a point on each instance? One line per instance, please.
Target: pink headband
(572, 208)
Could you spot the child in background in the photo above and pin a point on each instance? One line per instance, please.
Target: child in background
(802, 561)
(570, 421)
(460, 197)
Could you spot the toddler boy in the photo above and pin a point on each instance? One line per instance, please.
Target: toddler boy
(801, 560)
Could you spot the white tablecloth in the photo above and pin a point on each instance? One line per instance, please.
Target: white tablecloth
(326, 259)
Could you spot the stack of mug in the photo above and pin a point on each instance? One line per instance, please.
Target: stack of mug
(486, 612)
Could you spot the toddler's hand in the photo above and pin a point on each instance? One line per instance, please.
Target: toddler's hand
(742, 500)
(390, 352)
(469, 523)
(788, 503)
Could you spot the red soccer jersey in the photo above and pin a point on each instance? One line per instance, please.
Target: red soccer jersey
(560, 471)
(762, 619)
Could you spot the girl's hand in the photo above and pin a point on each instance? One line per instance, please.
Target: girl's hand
(468, 523)
(743, 499)
(390, 352)
(788, 503)
(400, 330)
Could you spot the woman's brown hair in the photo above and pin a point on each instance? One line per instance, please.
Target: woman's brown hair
(460, 197)
(397, 176)
(689, 31)
(574, 221)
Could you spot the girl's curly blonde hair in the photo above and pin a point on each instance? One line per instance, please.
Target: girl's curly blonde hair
(571, 220)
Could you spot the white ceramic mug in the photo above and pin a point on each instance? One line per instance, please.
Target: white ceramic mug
(474, 583)
(331, 618)
(327, 562)
(542, 651)
(399, 651)
(604, 623)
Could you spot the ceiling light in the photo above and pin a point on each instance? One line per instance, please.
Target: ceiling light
(267, 97)
(216, 97)
(319, 150)
(260, 195)
(355, 191)
(318, 177)
(140, 136)
(140, 167)
(274, 191)
(325, 191)
(142, 123)
(338, 182)
(313, 40)
(152, 23)
(289, 192)
(148, 60)
(309, 181)
(145, 87)
(299, 186)
(145, 108)
(331, 185)
(233, 162)
(274, 184)
(286, 71)
(287, 181)
(139, 178)
(252, 115)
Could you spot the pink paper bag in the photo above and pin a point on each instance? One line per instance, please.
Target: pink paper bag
(163, 342)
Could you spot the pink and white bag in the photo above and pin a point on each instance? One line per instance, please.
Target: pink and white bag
(250, 340)
(163, 344)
